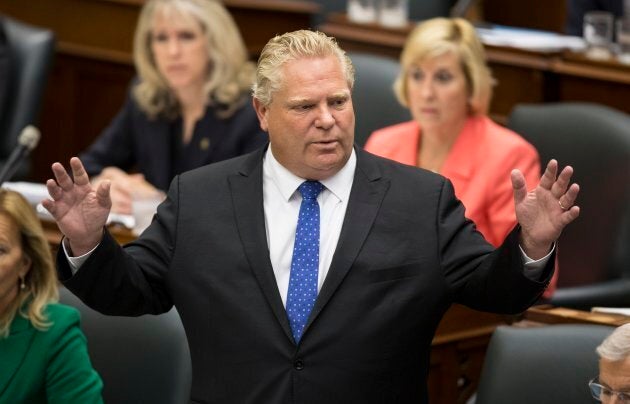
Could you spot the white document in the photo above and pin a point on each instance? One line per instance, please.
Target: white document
(529, 39)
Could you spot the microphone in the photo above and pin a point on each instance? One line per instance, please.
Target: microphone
(461, 8)
(27, 141)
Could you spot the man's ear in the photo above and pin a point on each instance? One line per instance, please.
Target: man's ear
(261, 112)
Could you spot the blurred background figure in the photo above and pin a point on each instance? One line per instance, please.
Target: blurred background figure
(190, 105)
(43, 353)
(445, 83)
(613, 383)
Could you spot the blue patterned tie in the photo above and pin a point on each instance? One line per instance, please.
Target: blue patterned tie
(305, 263)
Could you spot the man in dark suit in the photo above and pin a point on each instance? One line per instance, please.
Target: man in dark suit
(389, 245)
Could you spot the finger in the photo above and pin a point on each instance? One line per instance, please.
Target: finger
(549, 176)
(559, 187)
(78, 172)
(518, 185)
(54, 190)
(62, 177)
(49, 206)
(137, 176)
(569, 215)
(568, 199)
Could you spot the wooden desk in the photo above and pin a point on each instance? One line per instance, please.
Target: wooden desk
(53, 235)
(560, 315)
(93, 62)
(522, 76)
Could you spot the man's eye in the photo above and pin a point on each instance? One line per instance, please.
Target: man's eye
(304, 107)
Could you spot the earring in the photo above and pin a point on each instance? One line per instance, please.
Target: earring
(22, 284)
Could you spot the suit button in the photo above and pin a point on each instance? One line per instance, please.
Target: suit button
(298, 364)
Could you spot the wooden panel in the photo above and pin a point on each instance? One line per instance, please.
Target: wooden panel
(81, 98)
(548, 15)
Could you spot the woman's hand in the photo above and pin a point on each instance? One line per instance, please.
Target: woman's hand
(125, 188)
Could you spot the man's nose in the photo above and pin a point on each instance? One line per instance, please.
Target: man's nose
(325, 118)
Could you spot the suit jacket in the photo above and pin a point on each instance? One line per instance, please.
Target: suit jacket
(153, 146)
(478, 165)
(48, 367)
(405, 253)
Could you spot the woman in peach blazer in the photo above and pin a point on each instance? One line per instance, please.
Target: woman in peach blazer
(445, 83)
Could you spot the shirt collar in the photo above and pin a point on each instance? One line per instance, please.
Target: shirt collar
(287, 183)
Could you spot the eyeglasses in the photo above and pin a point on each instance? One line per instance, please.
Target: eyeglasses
(605, 395)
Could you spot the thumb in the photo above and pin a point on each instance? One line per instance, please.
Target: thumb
(518, 186)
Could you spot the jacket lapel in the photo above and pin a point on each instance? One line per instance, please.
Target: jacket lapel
(368, 190)
(13, 350)
(246, 186)
(162, 149)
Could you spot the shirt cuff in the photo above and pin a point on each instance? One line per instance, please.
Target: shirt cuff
(77, 262)
(534, 268)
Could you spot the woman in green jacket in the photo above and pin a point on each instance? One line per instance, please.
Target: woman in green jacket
(43, 353)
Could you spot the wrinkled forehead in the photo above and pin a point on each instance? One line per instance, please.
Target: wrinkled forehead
(615, 374)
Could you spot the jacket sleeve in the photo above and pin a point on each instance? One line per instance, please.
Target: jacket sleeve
(129, 281)
(477, 276)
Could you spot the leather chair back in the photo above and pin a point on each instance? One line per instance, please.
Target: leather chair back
(595, 141)
(29, 55)
(375, 105)
(543, 365)
(142, 359)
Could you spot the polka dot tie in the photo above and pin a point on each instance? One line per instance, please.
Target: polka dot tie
(305, 263)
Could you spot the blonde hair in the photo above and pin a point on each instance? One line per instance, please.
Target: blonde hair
(616, 346)
(439, 36)
(41, 279)
(292, 46)
(229, 77)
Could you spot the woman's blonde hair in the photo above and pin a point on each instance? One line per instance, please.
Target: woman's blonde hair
(439, 36)
(291, 46)
(230, 74)
(41, 279)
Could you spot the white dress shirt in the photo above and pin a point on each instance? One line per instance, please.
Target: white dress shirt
(282, 201)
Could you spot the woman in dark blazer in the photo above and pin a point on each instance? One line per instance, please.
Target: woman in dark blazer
(43, 353)
(190, 105)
